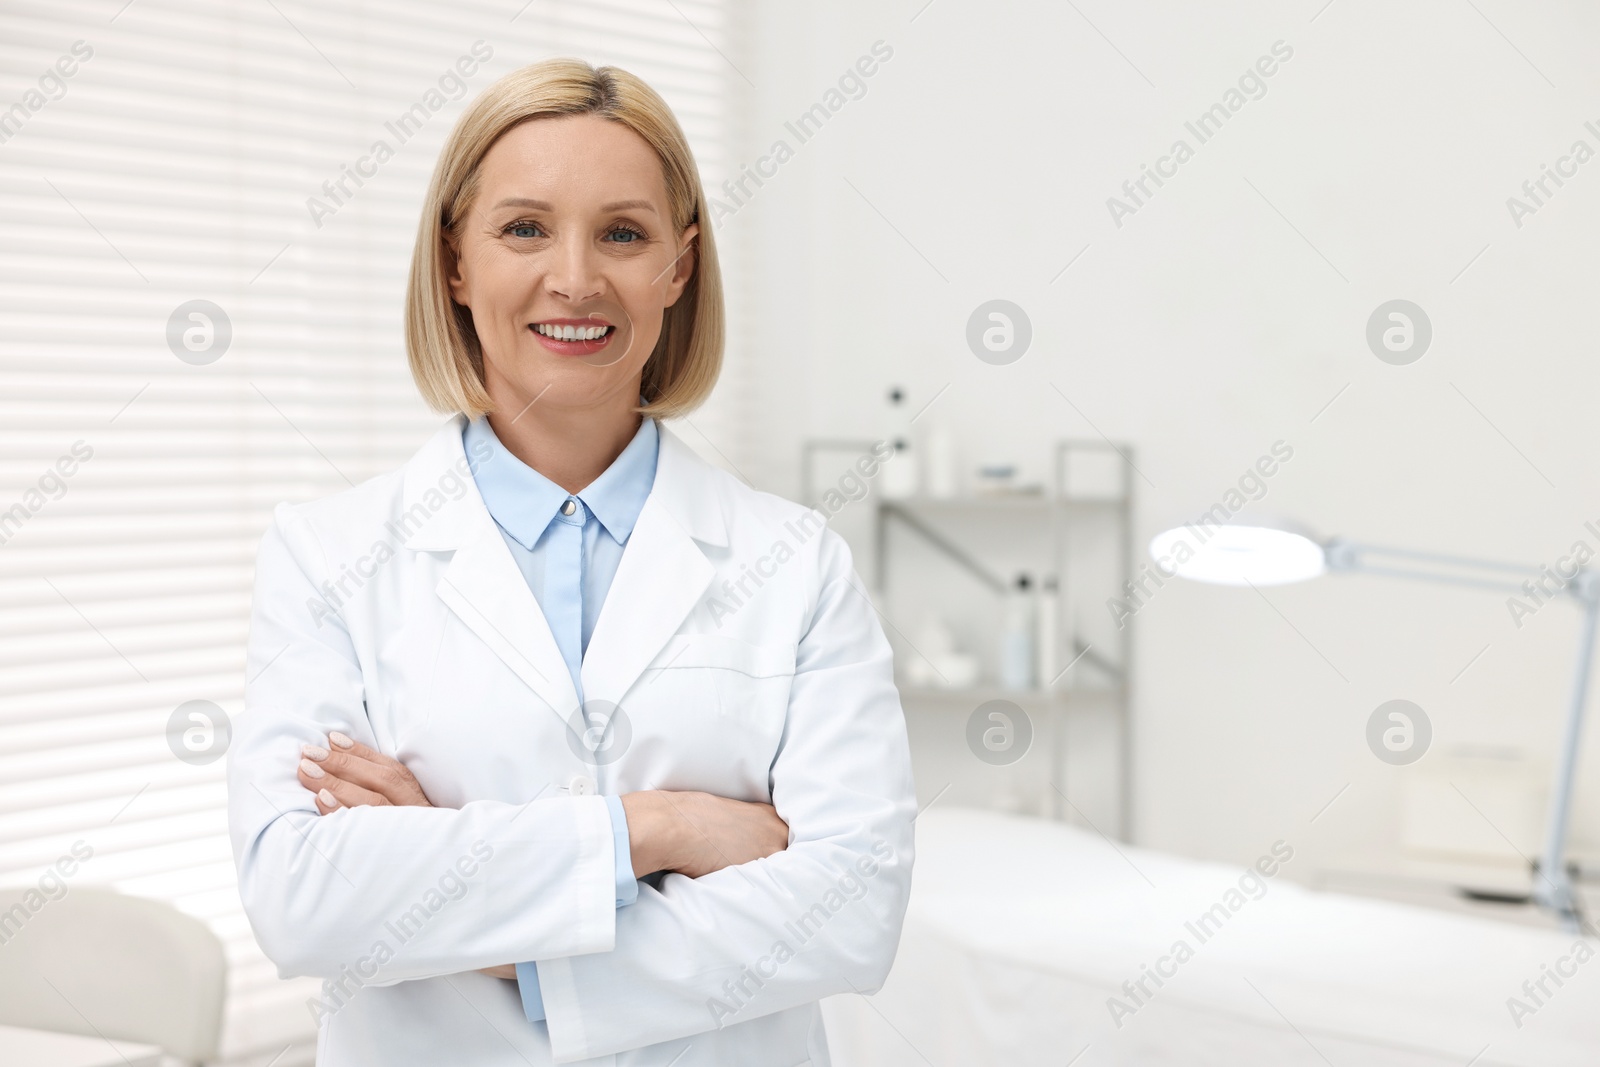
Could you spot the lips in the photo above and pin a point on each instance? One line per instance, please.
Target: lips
(573, 337)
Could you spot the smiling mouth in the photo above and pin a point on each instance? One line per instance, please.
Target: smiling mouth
(559, 332)
(573, 338)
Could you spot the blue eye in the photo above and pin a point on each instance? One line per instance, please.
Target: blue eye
(625, 235)
(523, 229)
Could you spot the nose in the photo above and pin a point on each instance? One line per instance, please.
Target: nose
(574, 273)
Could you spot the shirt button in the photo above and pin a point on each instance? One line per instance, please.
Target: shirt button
(581, 785)
(569, 507)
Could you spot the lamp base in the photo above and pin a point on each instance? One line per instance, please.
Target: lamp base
(1556, 896)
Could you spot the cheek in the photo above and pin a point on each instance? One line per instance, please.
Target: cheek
(492, 274)
(497, 336)
(645, 312)
(646, 332)
(498, 296)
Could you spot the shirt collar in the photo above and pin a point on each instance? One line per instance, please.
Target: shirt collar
(525, 502)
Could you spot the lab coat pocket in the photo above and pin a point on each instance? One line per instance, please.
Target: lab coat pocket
(728, 653)
(753, 686)
(744, 688)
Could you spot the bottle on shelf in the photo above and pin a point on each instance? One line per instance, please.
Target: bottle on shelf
(940, 466)
(1017, 636)
(1047, 642)
(899, 478)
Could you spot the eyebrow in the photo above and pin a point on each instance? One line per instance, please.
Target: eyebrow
(544, 205)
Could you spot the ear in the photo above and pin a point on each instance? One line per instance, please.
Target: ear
(458, 284)
(683, 266)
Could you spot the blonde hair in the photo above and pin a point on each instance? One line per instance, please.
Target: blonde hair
(441, 343)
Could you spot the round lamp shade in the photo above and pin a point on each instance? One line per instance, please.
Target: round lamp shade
(1238, 555)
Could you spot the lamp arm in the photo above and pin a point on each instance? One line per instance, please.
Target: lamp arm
(1553, 886)
(1355, 557)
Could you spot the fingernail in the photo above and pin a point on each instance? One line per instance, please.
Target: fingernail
(340, 739)
(311, 769)
(328, 800)
(316, 752)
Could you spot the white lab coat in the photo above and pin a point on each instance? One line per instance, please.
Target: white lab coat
(747, 662)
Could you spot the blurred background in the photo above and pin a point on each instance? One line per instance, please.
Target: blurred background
(980, 242)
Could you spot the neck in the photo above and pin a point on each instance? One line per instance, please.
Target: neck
(572, 446)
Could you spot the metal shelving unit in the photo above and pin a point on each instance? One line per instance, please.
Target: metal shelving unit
(1063, 514)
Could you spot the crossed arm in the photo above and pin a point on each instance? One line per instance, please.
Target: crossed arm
(691, 833)
(317, 889)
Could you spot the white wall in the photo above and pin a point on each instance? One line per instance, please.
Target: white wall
(1206, 328)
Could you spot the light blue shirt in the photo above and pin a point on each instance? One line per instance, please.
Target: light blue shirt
(569, 561)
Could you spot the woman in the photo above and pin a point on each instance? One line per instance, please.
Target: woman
(561, 744)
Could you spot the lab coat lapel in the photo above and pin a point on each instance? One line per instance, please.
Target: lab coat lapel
(482, 584)
(663, 574)
(489, 594)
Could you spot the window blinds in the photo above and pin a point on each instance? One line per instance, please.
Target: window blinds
(200, 316)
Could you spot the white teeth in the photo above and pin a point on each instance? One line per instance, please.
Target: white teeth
(571, 333)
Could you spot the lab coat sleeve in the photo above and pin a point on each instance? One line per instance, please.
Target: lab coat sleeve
(627, 893)
(819, 918)
(385, 893)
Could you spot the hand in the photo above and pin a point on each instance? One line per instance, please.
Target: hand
(696, 833)
(348, 774)
(354, 776)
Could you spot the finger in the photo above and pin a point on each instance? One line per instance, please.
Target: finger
(317, 787)
(391, 779)
(348, 794)
(350, 746)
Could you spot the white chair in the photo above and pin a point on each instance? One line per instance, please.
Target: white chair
(98, 963)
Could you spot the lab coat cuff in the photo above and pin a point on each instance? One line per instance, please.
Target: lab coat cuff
(528, 986)
(558, 987)
(568, 1029)
(594, 876)
(627, 886)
